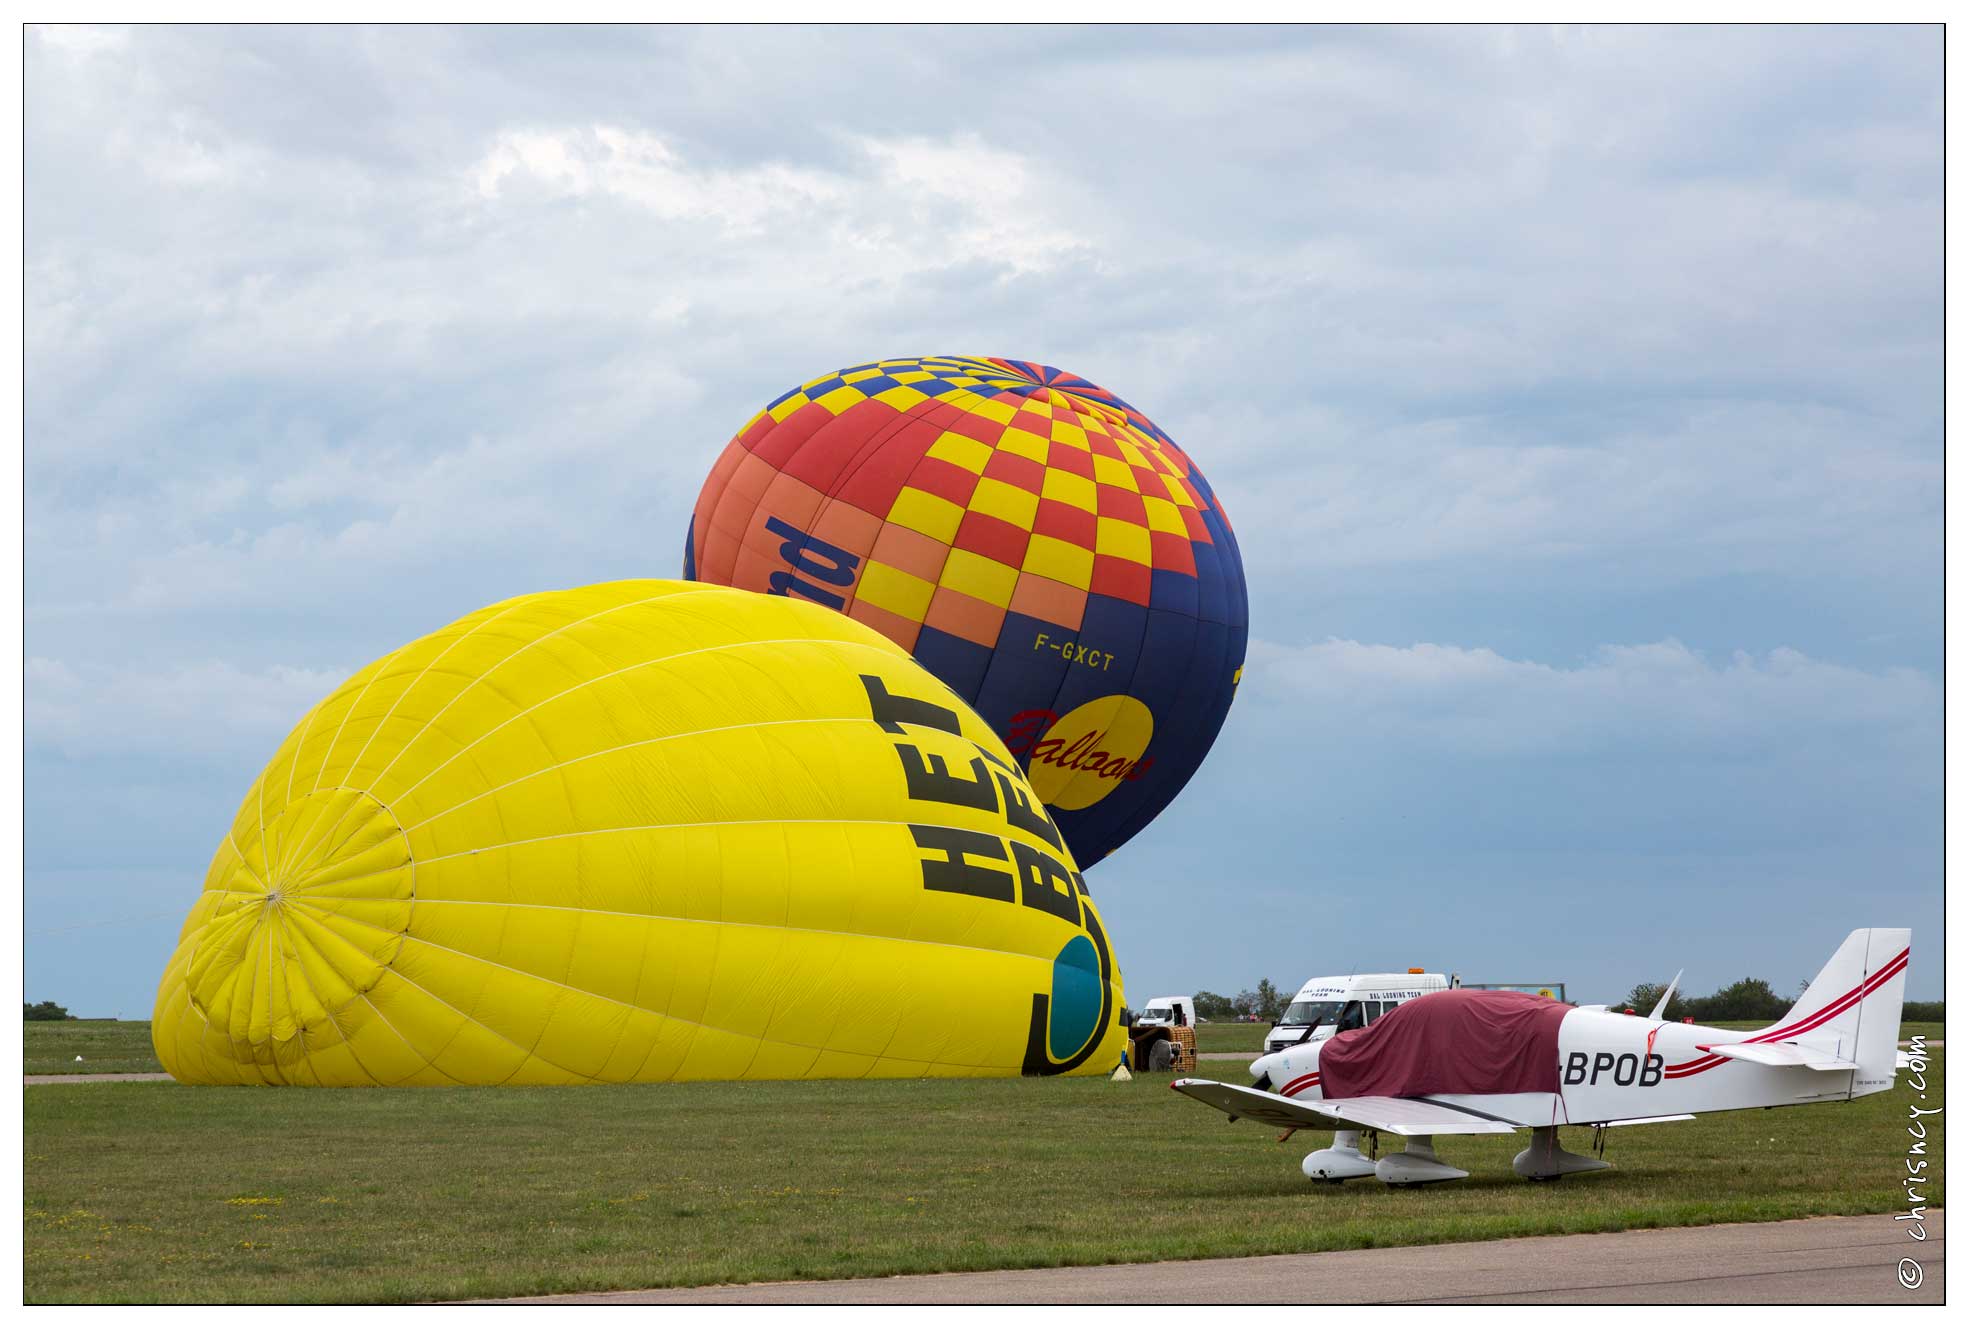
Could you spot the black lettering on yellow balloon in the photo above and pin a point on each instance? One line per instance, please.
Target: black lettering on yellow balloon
(1019, 810)
(1045, 883)
(952, 873)
(929, 779)
(893, 712)
(992, 757)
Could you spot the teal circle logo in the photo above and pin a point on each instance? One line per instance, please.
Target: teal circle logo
(1076, 1003)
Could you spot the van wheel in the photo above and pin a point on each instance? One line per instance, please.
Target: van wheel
(1159, 1057)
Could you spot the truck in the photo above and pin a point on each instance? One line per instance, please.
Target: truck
(1162, 1035)
(1328, 1006)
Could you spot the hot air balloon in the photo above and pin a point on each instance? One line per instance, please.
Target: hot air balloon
(1033, 540)
(643, 831)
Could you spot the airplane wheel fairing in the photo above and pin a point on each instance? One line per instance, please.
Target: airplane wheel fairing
(1416, 1165)
(1545, 1160)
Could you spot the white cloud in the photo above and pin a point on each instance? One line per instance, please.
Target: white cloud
(207, 709)
(914, 203)
(1660, 696)
(640, 168)
(80, 39)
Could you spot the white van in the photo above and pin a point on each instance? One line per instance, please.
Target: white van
(1327, 1006)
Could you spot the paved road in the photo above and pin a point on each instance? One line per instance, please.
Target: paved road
(1844, 1260)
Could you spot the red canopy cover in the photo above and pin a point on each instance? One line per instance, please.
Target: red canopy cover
(1461, 1041)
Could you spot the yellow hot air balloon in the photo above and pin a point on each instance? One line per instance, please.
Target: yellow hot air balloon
(642, 831)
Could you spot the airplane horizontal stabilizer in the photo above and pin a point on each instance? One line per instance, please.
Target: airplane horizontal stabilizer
(1781, 1054)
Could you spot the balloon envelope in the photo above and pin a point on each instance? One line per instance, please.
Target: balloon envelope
(639, 831)
(1033, 540)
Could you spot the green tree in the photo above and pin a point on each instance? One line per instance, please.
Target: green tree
(1745, 999)
(1213, 1006)
(1644, 996)
(1270, 1003)
(45, 1010)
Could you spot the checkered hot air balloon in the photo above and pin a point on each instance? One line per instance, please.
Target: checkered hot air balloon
(1033, 540)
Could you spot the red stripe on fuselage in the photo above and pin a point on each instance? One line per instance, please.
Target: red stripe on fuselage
(1831, 1010)
(1293, 1086)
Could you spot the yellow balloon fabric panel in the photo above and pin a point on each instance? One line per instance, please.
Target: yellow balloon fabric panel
(642, 831)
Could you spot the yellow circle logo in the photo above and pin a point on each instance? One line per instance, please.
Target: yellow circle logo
(1082, 756)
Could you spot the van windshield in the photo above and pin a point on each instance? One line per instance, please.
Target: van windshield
(1311, 1014)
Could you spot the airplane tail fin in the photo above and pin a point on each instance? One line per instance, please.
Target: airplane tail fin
(1852, 1010)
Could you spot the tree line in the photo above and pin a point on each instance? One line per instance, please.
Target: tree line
(1745, 999)
(1265, 1002)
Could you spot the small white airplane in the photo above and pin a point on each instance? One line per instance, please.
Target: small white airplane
(1467, 1062)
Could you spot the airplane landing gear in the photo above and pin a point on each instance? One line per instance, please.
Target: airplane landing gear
(1417, 1165)
(1544, 1160)
(1342, 1162)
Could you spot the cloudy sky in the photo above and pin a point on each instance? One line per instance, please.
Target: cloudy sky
(1575, 394)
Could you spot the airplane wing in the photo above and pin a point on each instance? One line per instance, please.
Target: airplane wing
(1397, 1116)
(1781, 1054)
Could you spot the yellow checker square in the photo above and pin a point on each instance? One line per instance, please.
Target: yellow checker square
(1068, 564)
(1163, 516)
(961, 451)
(1114, 471)
(1007, 502)
(1071, 434)
(1177, 494)
(1132, 454)
(1073, 490)
(1035, 404)
(926, 513)
(842, 398)
(896, 591)
(975, 575)
(991, 408)
(1023, 443)
(787, 407)
(912, 375)
(900, 397)
(860, 374)
(1123, 539)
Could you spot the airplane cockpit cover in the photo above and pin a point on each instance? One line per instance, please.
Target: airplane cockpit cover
(1457, 1042)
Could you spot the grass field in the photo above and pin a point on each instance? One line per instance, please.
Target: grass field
(1230, 1037)
(112, 1046)
(50, 1047)
(154, 1191)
